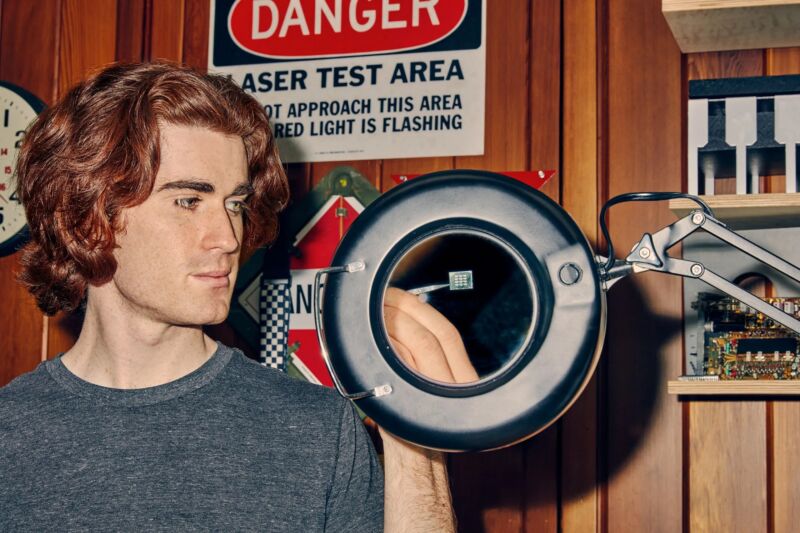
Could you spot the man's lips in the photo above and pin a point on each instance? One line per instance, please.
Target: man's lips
(216, 278)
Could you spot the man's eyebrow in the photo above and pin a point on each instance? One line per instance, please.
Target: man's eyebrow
(243, 189)
(194, 185)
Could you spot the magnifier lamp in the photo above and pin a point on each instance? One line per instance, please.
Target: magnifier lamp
(511, 270)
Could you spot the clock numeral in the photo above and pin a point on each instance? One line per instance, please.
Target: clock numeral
(20, 133)
(1, 214)
(5, 118)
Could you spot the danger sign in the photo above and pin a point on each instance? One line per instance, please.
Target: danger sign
(359, 79)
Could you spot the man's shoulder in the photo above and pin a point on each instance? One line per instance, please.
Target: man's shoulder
(25, 397)
(27, 386)
(280, 391)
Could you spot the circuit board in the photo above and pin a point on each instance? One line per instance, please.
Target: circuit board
(740, 343)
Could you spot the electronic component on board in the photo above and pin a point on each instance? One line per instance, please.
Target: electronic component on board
(740, 343)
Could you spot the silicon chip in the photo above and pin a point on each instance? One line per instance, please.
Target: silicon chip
(767, 346)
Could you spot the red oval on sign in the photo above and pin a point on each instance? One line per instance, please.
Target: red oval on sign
(302, 29)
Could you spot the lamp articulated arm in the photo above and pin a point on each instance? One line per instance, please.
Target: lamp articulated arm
(650, 253)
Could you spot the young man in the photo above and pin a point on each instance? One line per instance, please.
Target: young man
(141, 186)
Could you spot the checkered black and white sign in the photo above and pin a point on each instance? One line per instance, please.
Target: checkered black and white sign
(274, 307)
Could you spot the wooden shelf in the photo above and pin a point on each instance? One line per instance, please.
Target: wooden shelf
(748, 210)
(737, 388)
(742, 211)
(709, 25)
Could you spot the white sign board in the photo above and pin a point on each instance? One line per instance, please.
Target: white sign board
(359, 79)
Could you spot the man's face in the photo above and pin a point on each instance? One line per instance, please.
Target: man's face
(178, 254)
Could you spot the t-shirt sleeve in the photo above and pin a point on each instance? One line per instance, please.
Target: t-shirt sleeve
(355, 499)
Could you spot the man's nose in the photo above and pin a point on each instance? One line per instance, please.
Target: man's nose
(222, 231)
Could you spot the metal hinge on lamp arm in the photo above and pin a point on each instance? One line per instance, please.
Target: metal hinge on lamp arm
(650, 253)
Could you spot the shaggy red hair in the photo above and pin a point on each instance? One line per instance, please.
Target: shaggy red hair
(96, 152)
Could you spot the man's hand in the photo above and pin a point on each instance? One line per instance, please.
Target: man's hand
(417, 489)
(425, 339)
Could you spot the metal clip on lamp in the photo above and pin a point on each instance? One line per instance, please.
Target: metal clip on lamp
(525, 291)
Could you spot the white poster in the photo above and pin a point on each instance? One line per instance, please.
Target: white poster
(359, 79)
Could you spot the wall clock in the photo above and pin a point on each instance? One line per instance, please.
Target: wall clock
(18, 108)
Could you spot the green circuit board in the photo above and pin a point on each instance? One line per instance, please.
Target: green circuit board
(740, 343)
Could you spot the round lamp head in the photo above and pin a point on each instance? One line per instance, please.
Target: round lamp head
(502, 263)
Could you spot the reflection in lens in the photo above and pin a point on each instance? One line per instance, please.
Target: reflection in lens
(479, 286)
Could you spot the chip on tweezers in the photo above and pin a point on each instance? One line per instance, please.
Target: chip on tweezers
(460, 280)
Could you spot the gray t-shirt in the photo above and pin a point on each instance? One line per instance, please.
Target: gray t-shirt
(232, 446)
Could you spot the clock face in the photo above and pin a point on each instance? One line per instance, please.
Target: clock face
(18, 109)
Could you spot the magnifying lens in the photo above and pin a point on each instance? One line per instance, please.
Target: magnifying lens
(512, 273)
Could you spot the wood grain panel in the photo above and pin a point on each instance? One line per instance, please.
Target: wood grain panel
(88, 40)
(644, 333)
(713, 65)
(783, 61)
(728, 474)
(488, 488)
(27, 59)
(786, 468)
(506, 144)
(196, 23)
(785, 471)
(130, 30)
(545, 91)
(166, 30)
(540, 512)
(580, 178)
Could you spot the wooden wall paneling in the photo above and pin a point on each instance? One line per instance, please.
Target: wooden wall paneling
(580, 177)
(785, 512)
(196, 23)
(728, 485)
(644, 322)
(785, 466)
(488, 488)
(28, 48)
(166, 30)
(130, 30)
(541, 454)
(727, 439)
(783, 61)
(580, 180)
(506, 144)
(545, 91)
(87, 41)
(713, 65)
(30, 45)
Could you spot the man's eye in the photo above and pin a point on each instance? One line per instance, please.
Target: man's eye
(235, 206)
(187, 203)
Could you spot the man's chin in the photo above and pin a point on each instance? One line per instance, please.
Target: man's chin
(210, 314)
(216, 321)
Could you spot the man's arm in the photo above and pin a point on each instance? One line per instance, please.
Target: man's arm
(417, 490)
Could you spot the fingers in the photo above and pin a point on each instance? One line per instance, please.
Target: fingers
(404, 353)
(445, 333)
(417, 345)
